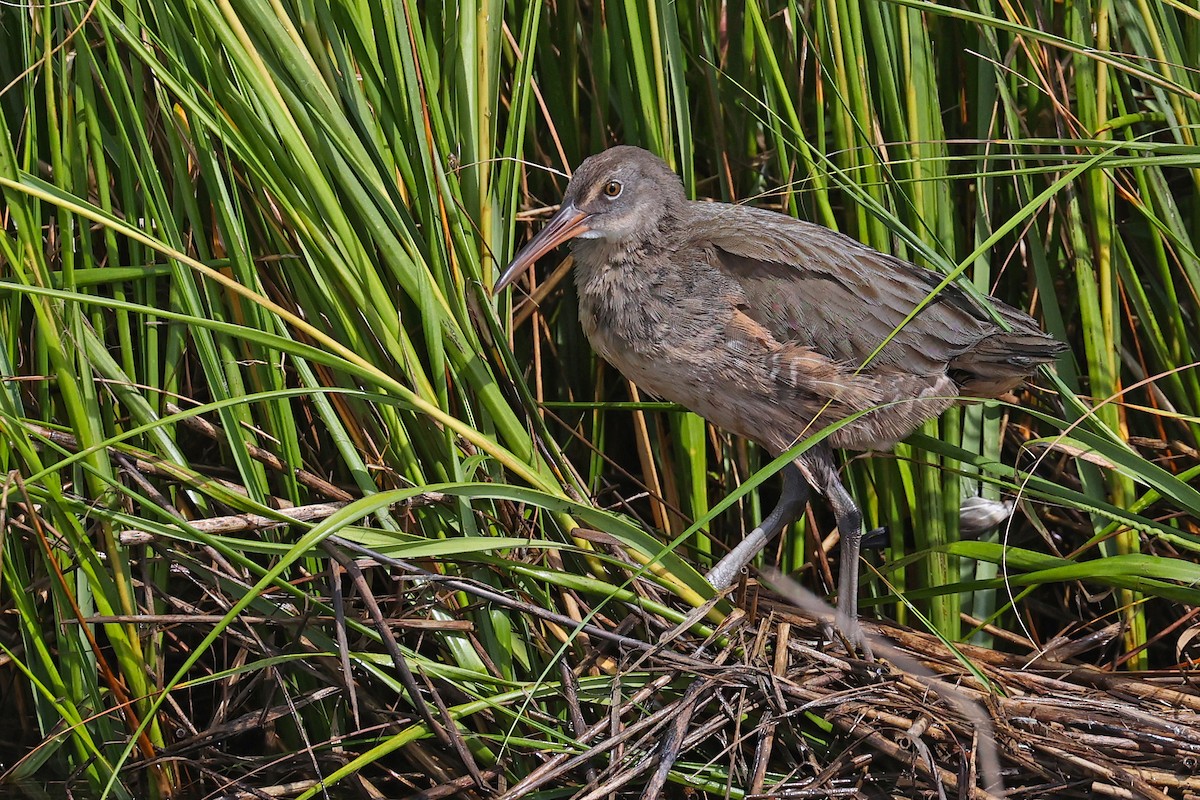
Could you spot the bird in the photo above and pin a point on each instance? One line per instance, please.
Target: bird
(772, 328)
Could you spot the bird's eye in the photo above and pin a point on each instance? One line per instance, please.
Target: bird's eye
(612, 189)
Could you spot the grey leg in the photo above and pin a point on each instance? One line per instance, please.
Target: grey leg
(849, 522)
(792, 498)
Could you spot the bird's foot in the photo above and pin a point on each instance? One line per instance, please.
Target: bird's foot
(875, 540)
(850, 635)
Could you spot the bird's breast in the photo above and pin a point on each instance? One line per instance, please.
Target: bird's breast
(680, 341)
(632, 335)
(648, 325)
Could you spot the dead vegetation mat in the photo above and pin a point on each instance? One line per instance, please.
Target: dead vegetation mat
(770, 704)
(791, 714)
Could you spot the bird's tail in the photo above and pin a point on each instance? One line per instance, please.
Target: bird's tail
(1001, 362)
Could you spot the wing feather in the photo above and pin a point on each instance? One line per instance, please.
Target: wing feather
(818, 290)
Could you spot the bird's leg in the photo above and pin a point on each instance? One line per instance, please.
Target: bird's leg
(849, 522)
(822, 469)
(792, 498)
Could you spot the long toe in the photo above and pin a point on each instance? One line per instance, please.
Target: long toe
(875, 539)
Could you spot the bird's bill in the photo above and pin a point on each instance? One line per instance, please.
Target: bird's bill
(568, 223)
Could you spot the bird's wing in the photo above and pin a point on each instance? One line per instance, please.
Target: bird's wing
(816, 288)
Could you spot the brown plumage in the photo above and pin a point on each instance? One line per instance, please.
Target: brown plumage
(764, 324)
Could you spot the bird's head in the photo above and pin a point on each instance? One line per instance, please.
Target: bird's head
(619, 196)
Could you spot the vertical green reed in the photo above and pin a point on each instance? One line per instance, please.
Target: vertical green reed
(285, 217)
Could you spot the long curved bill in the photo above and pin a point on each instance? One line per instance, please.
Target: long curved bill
(568, 223)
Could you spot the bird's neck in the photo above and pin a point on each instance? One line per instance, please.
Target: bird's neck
(626, 289)
(611, 275)
(608, 258)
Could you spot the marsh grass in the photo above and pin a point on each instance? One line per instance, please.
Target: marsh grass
(246, 255)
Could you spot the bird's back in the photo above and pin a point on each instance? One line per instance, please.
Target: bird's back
(835, 311)
(810, 285)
